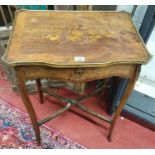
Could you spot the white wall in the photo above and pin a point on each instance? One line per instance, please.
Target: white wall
(127, 8)
(148, 71)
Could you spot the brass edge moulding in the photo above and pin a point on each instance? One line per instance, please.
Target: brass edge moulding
(68, 11)
(6, 51)
(26, 63)
(150, 55)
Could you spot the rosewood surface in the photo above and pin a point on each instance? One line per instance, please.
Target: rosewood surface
(60, 39)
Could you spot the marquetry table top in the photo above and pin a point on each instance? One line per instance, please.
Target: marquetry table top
(71, 39)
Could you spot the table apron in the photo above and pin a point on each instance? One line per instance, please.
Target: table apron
(75, 74)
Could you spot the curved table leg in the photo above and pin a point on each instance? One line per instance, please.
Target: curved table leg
(127, 93)
(29, 107)
(38, 82)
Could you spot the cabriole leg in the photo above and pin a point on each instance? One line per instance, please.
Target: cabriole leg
(28, 105)
(127, 93)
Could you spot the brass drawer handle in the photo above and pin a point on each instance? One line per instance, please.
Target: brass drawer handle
(78, 73)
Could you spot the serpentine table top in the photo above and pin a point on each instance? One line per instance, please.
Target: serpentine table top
(74, 39)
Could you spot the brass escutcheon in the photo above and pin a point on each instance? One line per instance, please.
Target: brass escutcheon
(78, 73)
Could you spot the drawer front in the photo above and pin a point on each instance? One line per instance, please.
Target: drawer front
(76, 74)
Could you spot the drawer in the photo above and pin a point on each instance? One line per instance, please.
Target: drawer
(76, 74)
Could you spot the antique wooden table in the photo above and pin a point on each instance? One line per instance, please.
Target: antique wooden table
(76, 47)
